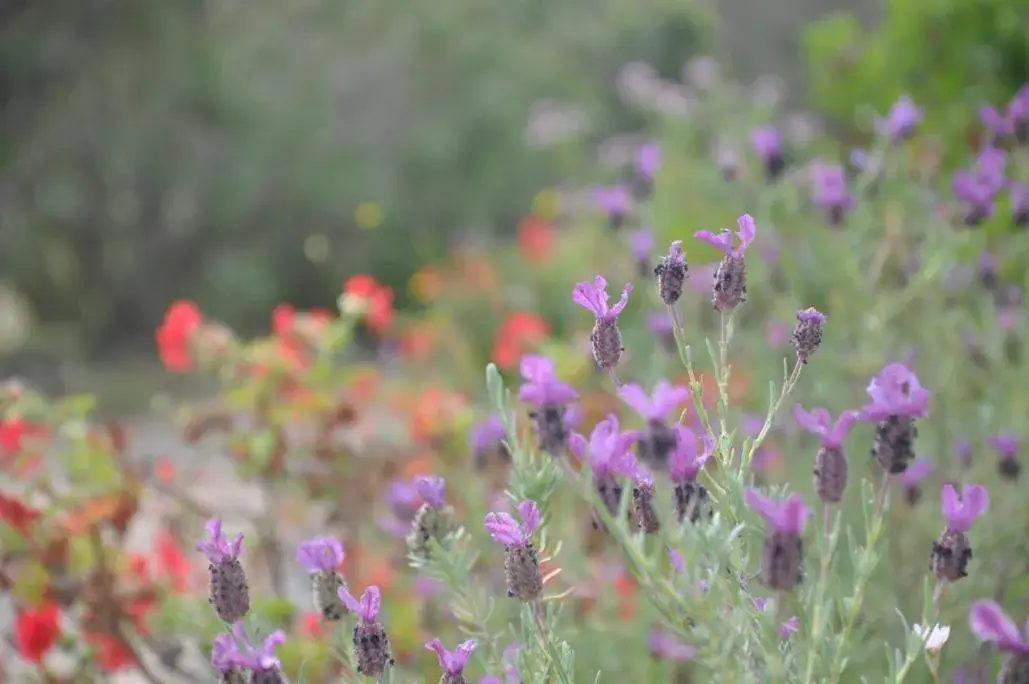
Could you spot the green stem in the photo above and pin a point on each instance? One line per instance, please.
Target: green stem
(818, 619)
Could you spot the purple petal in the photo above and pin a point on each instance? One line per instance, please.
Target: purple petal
(530, 517)
(578, 445)
(950, 504)
(816, 421)
(636, 398)
(747, 231)
(794, 515)
(461, 655)
(916, 472)
(503, 528)
(768, 509)
(585, 296)
(842, 428)
(721, 241)
(667, 398)
(430, 488)
(677, 561)
(622, 301)
(989, 622)
(348, 599)
(321, 554)
(371, 601)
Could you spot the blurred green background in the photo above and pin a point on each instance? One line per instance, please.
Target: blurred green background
(220, 150)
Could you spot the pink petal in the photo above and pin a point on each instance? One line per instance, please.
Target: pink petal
(976, 501)
(989, 622)
(747, 231)
(765, 507)
(622, 301)
(530, 516)
(809, 421)
(950, 504)
(722, 241)
(636, 398)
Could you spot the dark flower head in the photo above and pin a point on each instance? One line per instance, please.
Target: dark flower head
(902, 121)
(819, 422)
(960, 512)
(665, 399)
(990, 623)
(916, 473)
(452, 662)
(542, 387)
(690, 455)
(430, 488)
(807, 333)
(1005, 444)
(608, 451)
(217, 547)
(788, 517)
(594, 298)
(321, 554)
(648, 160)
(895, 392)
(504, 529)
(671, 273)
(367, 609)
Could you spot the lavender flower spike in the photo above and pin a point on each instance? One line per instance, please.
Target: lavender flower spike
(807, 334)
(610, 457)
(227, 659)
(616, 202)
(487, 442)
(452, 663)
(433, 520)
(767, 142)
(263, 665)
(952, 551)
(550, 399)
(230, 593)
(658, 440)
(606, 338)
(730, 286)
(831, 471)
(897, 400)
(911, 480)
(320, 557)
(1007, 446)
(671, 274)
(902, 121)
(521, 560)
(783, 557)
(371, 644)
(684, 464)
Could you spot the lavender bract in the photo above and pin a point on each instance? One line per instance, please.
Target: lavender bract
(671, 273)
(897, 400)
(951, 553)
(658, 439)
(549, 399)
(320, 557)
(730, 285)
(783, 558)
(452, 662)
(434, 519)
(230, 592)
(685, 463)
(990, 623)
(521, 560)
(371, 644)
(606, 339)
(609, 455)
(831, 471)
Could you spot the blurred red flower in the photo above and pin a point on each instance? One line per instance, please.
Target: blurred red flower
(173, 563)
(18, 515)
(519, 334)
(13, 433)
(376, 301)
(111, 654)
(536, 238)
(36, 631)
(181, 321)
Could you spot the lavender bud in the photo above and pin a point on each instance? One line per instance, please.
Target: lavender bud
(730, 288)
(671, 274)
(643, 505)
(830, 474)
(550, 428)
(894, 447)
(1015, 670)
(606, 339)
(325, 595)
(807, 335)
(950, 556)
(783, 559)
(429, 523)
(371, 646)
(230, 593)
(692, 502)
(522, 570)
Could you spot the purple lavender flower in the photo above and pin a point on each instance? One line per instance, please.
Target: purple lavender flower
(433, 520)
(1020, 204)
(897, 400)
(642, 244)
(616, 202)
(671, 273)
(658, 440)
(767, 142)
(829, 191)
(783, 557)
(998, 124)
(487, 442)
(677, 561)
(831, 472)
(260, 660)
(452, 662)
(521, 560)
(230, 593)
(902, 121)
(227, 659)
(648, 160)
(807, 333)
(989, 622)
(952, 551)
(1018, 111)
(977, 197)
(550, 399)
(371, 644)
(685, 463)
(665, 647)
(609, 451)
(911, 480)
(1007, 446)
(661, 326)
(730, 286)
(605, 338)
(320, 557)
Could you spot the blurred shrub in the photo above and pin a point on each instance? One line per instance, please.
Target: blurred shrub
(218, 151)
(944, 53)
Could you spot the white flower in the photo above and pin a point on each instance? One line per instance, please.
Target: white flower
(933, 638)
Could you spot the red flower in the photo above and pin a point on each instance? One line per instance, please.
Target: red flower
(173, 563)
(13, 432)
(36, 631)
(111, 654)
(174, 336)
(535, 238)
(375, 300)
(17, 515)
(519, 334)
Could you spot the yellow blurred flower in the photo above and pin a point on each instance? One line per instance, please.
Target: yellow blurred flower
(368, 215)
(547, 204)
